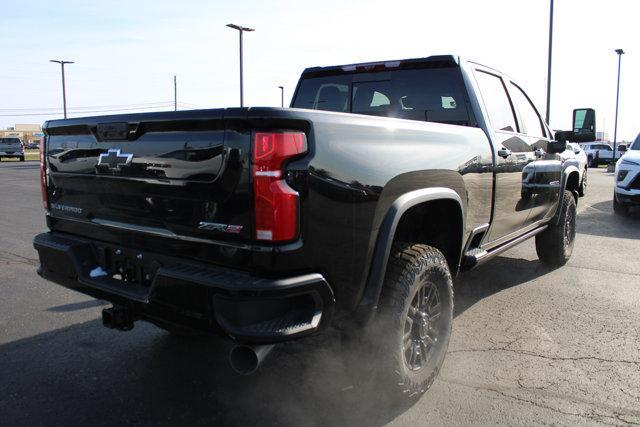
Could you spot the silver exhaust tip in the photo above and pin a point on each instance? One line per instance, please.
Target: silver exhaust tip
(245, 359)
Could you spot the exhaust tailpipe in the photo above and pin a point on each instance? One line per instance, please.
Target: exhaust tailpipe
(245, 359)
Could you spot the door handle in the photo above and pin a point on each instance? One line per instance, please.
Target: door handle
(504, 152)
(539, 152)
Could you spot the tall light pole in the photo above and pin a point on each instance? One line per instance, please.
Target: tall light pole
(620, 52)
(281, 96)
(64, 91)
(241, 30)
(175, 94)
(549, 62)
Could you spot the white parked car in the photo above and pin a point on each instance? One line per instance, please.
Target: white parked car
(599, 153)
(575, 151)
(627, 177)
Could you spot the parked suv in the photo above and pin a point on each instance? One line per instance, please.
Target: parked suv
(627, 176)
(11, 148)
(354, 208)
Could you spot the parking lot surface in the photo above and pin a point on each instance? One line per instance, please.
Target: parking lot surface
(529, 346)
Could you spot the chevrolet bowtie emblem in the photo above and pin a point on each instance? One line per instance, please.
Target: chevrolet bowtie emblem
(114, 159)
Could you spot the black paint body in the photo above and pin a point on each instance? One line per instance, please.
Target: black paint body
(360, 174)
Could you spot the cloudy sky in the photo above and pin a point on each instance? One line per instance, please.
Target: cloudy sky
(126, 52)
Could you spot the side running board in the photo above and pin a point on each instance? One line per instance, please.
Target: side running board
(477, 256)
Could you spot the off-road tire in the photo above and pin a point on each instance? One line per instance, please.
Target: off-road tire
(555, 245)
(582, 190)
(619, 208)
(412, 271)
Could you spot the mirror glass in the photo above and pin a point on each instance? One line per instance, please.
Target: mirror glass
(584, 125)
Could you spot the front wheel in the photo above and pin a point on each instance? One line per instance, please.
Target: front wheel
(555, 245)
(413, 326)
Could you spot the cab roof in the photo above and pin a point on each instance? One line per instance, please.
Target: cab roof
(435, 61)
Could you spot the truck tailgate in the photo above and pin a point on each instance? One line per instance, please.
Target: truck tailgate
(180, 175)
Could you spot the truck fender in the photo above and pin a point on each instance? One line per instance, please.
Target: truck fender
(568, 168)
(386, 234)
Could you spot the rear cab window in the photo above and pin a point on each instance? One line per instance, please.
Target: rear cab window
(433, 94)
(9, 141)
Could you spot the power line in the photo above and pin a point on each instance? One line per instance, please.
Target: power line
(85, 111)
(141, 104)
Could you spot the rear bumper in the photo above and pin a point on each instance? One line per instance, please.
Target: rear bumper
(168, 290)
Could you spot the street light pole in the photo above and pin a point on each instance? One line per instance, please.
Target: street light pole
(281, 96)
(175, 94)
(64, 91)
(620, 52)
(549, 63)
(241, 30)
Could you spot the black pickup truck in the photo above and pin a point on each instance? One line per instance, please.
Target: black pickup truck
(354, 208)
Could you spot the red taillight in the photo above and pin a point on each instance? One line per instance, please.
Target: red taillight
(43, 175)
(276, 204)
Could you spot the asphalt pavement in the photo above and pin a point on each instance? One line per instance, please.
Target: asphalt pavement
(529, 346)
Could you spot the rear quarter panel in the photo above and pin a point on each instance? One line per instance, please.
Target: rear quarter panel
(357, 167)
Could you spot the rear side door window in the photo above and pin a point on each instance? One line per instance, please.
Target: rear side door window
(496, 101)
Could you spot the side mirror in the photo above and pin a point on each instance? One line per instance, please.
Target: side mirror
(584, 125)
(556, 147)
(622, 148)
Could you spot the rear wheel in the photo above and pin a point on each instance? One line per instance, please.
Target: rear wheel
(582, 190)
(413, 326)
(619, 208)
(22, 158)
(555, 245)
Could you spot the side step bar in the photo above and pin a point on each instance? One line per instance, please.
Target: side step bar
(476, 257)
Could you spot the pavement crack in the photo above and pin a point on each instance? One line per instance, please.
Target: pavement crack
(593, 416)
(543, 356)
(13, 258)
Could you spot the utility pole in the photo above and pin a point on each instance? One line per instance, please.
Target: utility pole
(281, 96)
(175, 94)
(64, 91)
(241, 30)
(549, 63)
(620, 52)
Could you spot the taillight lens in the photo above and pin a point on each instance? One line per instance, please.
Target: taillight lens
(276, 204)
(43, 175)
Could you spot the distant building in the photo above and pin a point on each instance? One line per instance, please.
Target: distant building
(28, 133)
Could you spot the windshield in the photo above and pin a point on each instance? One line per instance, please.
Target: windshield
(9, 141)
(636, 143)
(432, 94)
